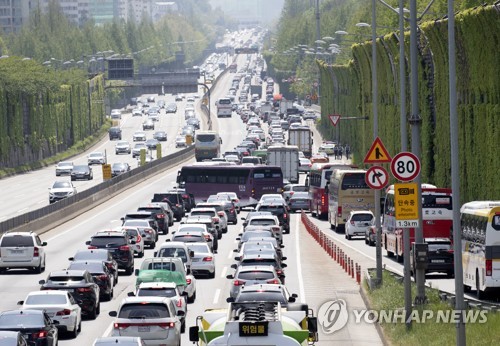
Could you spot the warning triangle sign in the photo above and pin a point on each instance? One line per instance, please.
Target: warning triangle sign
(377, 153)
(334, 118)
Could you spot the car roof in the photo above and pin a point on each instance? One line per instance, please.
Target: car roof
(361, 212)
(269, 268)
(161, 284)
(110, 233)
(263, 287)
(74, 272)
(135, 300)
(48, 292)
(172, 244)
(251, 256)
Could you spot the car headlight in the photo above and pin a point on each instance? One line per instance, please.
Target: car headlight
(51, 194)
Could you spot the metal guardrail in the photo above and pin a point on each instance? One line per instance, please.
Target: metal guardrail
(42, 219)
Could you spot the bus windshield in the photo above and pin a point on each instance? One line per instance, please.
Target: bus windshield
(354, 181)
(205, 138)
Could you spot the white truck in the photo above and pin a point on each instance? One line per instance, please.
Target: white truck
(286, 157)
(284, 105)
(301, 137)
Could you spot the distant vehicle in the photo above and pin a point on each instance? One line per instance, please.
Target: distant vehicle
(64, 168)
(224, 108)
(60, 190)
(22, 250)
(148, 124)
(119, 168)
(206, 145)
(82, 172)
(171, 108)
(287, 157)
(136, 152)
(116, 114)
(151, 144)
(122, 147)
(96, 158)
(180, 141)
(115, 133)
(358, 222)
(301, 137)
(32, 324)
(139, 136)
(160, 136)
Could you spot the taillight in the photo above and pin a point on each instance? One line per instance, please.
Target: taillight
(273, 281)
(352, 222)
(279, 271)
(208, 259)
(322, 200)
(160, 216)
(121, 326)
(207, 237)
(188, 281)
(148, 231)
(92, 247)
(253, 192)
(102, 277)
(124, 248)
(238, 282)
(285, 216)
(84, 289)
(232, 210)
(179, 303)
(39, 334)
(489, 267)
(291, 193)
(236, 200)
(220, 213)
(215, 219)
(178, 205)
(64, 312)
(109, 265)
(138, 239)
(166, 325)
(36, 252)
(185, 196)
(339, 211)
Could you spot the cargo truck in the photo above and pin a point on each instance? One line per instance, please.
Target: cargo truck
(286, 157)
(301, 137)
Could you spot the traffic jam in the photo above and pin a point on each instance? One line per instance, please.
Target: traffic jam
(232, 205)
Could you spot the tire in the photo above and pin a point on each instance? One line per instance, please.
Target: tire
(80, 326)
(211, 275)
(390, 254)
(192, 299)
(467, 289)
(74, 333)
(479, 294)
(366, 241)
(93, 314)
(98, 310)
(348, 236)
(116, 278)
(141, 254)
(129, 270)
(38, 269)
(183, 327)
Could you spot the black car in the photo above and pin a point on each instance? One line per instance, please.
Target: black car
(118, 244)
(81, 284)
(82, 172)
(151, 144)
(98, 255)
(188, 198)
(280, 211)
(439, 257)
(101, 274)
(159, 214)
(176, 202)
(119, 168)
(115, 133)
(148, 216)
(160, 136)
(35, 325)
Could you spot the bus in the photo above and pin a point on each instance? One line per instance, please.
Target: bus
(206, 145)
(248, 182)
(480, 233)
(348, 191)
(224, 107)
(437, 219)
(319, 179)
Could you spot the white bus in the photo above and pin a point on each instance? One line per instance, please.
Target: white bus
(480, 226)
(206, 145)
(224, 107)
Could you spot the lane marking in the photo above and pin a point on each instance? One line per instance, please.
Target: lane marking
(107, 332)
(230, 254)
(299, 264)
(216, 296)
(23, 210)
(224, 273)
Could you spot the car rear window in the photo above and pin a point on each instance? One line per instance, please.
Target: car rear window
(173, 252)
(24, 320)
(46, 299)
(362, 217)
(161, 266)
(17, 241)
(256, 275)
(108, 241)
(301, 188)
(66, 278)
(143, 310)
(157, 292)
(261, 296)
(205, 138)
(439, 246)
(162, 197)
(93, 267)
(95, 255)
(258, 261)
(189, 238)
(272, 208)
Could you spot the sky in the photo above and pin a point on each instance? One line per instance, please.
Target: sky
(265, 10)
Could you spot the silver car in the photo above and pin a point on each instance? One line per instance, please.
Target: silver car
(96, 158)
(252, 275)
(299, 201)
(122, 147)
(203, 260)
(64, 168)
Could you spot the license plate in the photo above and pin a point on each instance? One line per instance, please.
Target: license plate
(143, 329)
(438, 261)
(16, 251)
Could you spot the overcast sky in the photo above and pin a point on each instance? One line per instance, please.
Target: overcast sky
(265, 10)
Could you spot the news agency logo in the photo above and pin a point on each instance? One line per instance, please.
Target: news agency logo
(333, 315)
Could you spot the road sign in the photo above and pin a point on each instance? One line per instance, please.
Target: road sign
(334, 118)
(106, 171)
(405, 166)
(377, 153)
(376, 177)
(406, 205)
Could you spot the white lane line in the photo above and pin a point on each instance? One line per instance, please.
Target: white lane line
(216, 296)
(20, 195)
(224, 272)
(230, 254)
(23, 210)
(107, 332)
(42, 201)
(299, 263)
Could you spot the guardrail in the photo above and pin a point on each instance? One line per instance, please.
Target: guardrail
(45, 218)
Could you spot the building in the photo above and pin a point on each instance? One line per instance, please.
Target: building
(14, 14)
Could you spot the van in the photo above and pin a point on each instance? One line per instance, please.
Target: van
(251, 159)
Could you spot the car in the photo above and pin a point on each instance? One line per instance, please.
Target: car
(119, 168)
(96, 158)
(35, 325)
(304, 165)
(265, 222)
(61, 189)
(219, 217)
(174, 198)
(169, 213)
(116, 114)
(22, 250)
(139, 136)
(258, 259)
(64, 168)
(193, 233)
(193, 122)
(122, 147)
(171, 108)
(299, 201)
(115, 133)
(60, 306)
(151, 98)
(290, 189)
(119, 341)
(135, 235)
(151, 144)
(136, 152)
(148, 124)
(252, 214)
(148, 234)
(264, 293)
(137, 112)
(98, 255)
(153, 114)
(145, 215)
(439, 257)
(176, 249)
(233, 158)
(260, 246)
(203, 259)
(190, 99)
(160, 136)
(278, 209)
(159, 214)
(164, 289)
(101, 274)
(252, 275)
(82, 172)
(180, 141)
(209, 223)
(178, 98)
(154, 319)
(255, 235)
(118, 243)
(227, 205)
(318, 158)
(234, 198)
(81, 284)
(309, 115)
(358, 222)
(328, 148)
(12, 338)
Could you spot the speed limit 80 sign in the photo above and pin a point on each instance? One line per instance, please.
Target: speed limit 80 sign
(405, 166)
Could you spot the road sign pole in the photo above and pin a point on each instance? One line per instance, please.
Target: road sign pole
(407, 277)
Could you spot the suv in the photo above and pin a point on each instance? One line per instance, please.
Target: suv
(98, 255)
(279, 210)
(22, 250)
(160, 215)
(118, 244)
(115, 133)
(176, 202)
(149, 216)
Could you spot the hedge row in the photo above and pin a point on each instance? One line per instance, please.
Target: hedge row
(347, 90)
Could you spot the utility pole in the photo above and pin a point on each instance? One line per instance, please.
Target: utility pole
(415, 122)
(318, 31)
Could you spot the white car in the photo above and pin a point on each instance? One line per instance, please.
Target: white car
(136, 151)
(180, 141)
(22, 250)
(59, 305)
(271, 197)
(139, 136)
(309, 115)
(61, 189)
(220, 218)
(96, 158)
(64, 168)
(137, 112)
(135, 235)
(328, 148)
(154, 319)
(116, 114)
(234, 198)
(203, 261)
(358, 222)
(122, 147)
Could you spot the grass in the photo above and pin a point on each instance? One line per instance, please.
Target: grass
(391, 297)
(76, 149)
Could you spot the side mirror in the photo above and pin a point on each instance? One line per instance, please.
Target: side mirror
(181, 313)
(234, 266)
(283, 265)
(44, 243)
(230, 277)
(193, 334)
(155, 254)
(122, 218)
(132, 242)
(235, 250)
(41, 282)
(238, 238)
(237, 258)
(294, 295)
(283, 258)
(87, 242)
(131, 294)
(191, 253)
(71, 259)
(243, 218)
(21, 302)
(113, 313)
(136, 272)
(282, 246)
(230, 300)
(240, 234)
(291, 299)
(54, 322)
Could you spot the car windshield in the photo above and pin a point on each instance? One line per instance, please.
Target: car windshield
(256, 234)
(65, 164)
(61, 184)
(188, 238)
(98, 155)
(81, 168)
(108, 241)
(94, 255)
(157, 292)
(17, 321)
(256, 275)
(119, 166)
(202, 212)
(170, 266)
(143, 310)
(439, 246)
(46, 299)
(121, 143)
(17, 241)
(173, 252)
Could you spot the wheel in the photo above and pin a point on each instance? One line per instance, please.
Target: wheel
(450, 274)
(366, 241)
(80, 326)
(93, 313)
(129, 270)
(390, 254)
(466, 289)
(348, 236)
(116, 278)
(98, 310)
(399, 258)
(192, 299)
(38, 269)
(141, 254)
(479, 293)
(211, 275)
(73, 334)
(183, 327)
